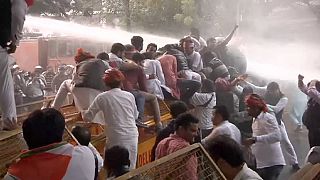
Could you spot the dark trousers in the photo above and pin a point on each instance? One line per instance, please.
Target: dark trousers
(314, 137)
(188, 88)
(270, 173)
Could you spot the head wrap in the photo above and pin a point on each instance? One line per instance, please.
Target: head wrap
(82, 55)
(254, 100)
(29, 2)
(112, 76)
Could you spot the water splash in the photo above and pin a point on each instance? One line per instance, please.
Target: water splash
(98, 34)
(282, 61)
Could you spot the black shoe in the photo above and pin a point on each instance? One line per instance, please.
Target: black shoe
(295, 167)
(141, 124)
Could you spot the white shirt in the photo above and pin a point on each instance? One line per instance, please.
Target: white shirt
(267, 148)
(154, 85)
(195, 61)
(247, 174)
(154, 67)
(114, 59)
(224, 128)
(120, 112)
(204, 114)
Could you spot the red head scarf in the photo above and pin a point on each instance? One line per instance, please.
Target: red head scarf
(113, 75)
(82, 55)
(254, 100)
(29, 2)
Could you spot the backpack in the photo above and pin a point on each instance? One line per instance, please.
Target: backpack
(5, 22)
(311, 116)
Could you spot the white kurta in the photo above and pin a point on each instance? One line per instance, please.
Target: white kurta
(120, 112)
(266, 129)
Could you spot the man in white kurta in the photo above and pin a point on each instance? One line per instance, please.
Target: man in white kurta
(120, 112)
(266, 139)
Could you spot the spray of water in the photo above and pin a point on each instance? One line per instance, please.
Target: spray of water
(272, 59)
(284, 44)
(98, 34)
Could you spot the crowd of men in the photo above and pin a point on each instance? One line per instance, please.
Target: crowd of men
(34, 86)
(240, 124)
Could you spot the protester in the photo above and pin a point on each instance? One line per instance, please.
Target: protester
(176, 108)
(276, 102)
(116, 161)
(186, 128)
(155, 78)
(105, 58)
(220, 47)
(169, 69)
(12, 16)
(19, 84)
(48, 76)
(83, 136)
(152, 47)
(312, 114)
(195, 34)
(203, 103)
(222, 126)
(59, 78)
(86, 84)
(35, 88)
(194, 58)
(213, 67)
(266, 139)
(137, 42)
(48, 157)
(116, 55)
(135, 83)
(242, 119)
(228, 156)
(120, 112)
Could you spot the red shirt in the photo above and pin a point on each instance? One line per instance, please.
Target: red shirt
(172, 144)
(135, 80)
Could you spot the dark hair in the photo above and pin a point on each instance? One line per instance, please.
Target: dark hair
(185, 120)
(82, 134)
(43, 127)
(273, 86)
(207, 86)
(129, 47)
(117, 47)
(115, 158)
(103, 56)
(152, 45)
(247, 90)
(177, 108)
(137, 57)
(137, 41)
(227, 149)
(223, 111)
(148, 55)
